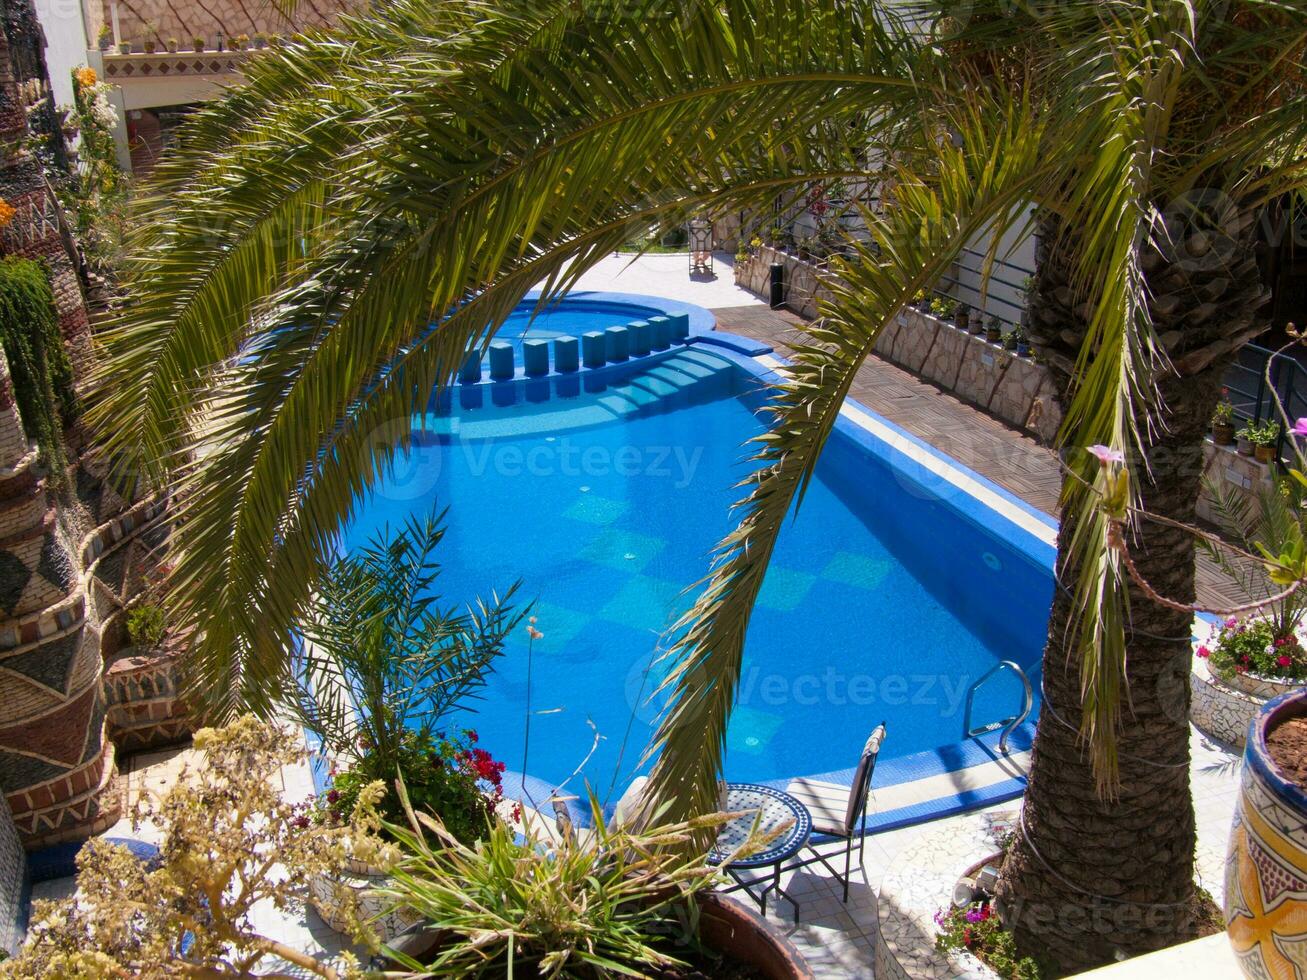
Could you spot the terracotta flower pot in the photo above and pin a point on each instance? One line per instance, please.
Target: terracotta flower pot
(1266, 864)
(1223, 433)
(1264, 454)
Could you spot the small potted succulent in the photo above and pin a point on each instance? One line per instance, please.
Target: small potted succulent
(173, 45)
(198, 44)
(1223, 420)
(151, 41)
(124, 47)
(993, 329)
(260, 40)
(239, 42)
(962, 316)
(1261, 438)
(105, 37)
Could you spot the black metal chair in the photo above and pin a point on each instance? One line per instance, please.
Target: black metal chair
(839, 813)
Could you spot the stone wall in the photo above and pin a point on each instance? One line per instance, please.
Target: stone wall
(1017, 390)
(13, 884)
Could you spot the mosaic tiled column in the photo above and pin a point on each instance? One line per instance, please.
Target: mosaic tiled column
(55, 763)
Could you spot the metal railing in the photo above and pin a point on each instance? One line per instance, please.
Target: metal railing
(1008, 724)
(1252, 397)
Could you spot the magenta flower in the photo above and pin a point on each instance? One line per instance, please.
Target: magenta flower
(1106, 455)
(1204, 652)
(1299, 428)
(1231, 623)
(1284, 661)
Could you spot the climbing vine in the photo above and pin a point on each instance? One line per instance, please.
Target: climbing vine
(41, 373)
(98, 192)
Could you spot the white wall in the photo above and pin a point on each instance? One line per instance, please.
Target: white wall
(66, 43)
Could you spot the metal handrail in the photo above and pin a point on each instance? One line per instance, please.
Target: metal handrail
(1008, 724)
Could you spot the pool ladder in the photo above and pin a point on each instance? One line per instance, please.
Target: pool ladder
(1007, 724)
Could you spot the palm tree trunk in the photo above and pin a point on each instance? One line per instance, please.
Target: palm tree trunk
(1089, 879)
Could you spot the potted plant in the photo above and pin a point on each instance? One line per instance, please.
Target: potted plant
(1018, 340)
(1261, 437)
(383, 665)
(151, 40)
(993, 329)
(514, 905)
(105, 37)
(962, 316)
(198, 44)
(239, 41)
(1267, 852)
(260, 40)
(1223, 420)
(173, 45)
(943, 307)
(195, 909)
(124, 47)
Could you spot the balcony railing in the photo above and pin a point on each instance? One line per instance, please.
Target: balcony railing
(122, 67)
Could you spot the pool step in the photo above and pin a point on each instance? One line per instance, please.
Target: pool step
(685, 377)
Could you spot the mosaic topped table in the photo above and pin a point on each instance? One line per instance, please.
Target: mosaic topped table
(767, 810)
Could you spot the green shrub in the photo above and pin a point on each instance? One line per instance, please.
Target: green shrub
(146, 625)
(1252, 647)
(977, 929)
(38, 363)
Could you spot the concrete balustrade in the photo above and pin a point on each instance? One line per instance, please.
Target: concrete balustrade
(660, 337)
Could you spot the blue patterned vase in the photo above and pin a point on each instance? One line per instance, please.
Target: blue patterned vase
(1266, 867)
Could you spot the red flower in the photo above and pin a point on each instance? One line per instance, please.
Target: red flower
(333, 795)
(1284, 661)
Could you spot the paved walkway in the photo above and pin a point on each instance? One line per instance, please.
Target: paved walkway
(1010, 458)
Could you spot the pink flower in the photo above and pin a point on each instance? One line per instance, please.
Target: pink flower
(1299, 428)
(1106, 455)
(1283, 661)
(534, 633)
(1204, 652)
(1240, 668)
(1231, 623)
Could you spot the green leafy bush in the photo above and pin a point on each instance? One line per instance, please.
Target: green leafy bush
(977, 929)
(1261, 433)
(146, 625)
(38, 362)
(1253, 647)
(449, 776)
(385, 660)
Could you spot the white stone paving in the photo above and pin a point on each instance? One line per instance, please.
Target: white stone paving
(669, 275)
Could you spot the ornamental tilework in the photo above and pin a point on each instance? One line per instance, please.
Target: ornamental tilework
(1266, 882)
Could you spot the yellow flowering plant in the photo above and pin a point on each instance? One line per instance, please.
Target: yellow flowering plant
(230, 842)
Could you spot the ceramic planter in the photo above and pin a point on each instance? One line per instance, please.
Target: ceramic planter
(1223, 433)
(1266, 863)
(329, 894)
(1264, 454)
(1244, 446)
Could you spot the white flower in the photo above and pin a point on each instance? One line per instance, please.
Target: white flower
(103, 112)
(1270, 648)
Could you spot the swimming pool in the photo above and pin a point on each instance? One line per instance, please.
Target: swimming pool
(604, 491)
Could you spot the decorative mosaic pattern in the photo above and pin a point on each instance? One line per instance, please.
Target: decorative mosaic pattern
(1219, 710)
(1266, 881)
(919, 884)
(13, 883)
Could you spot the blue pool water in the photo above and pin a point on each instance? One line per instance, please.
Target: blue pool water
(604, 494)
